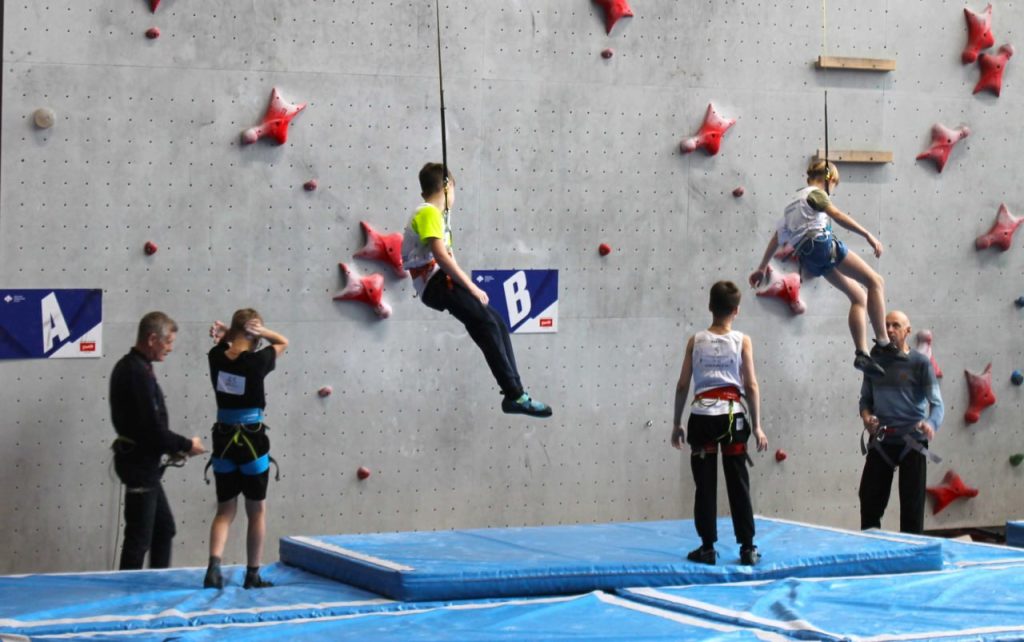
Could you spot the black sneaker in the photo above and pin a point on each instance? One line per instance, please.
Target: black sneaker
(749, 555)
(890, 349)
(524, 405)
(867, 365)
(703, 555)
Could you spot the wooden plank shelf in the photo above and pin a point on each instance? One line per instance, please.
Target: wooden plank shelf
(855, 64)
(855, 156)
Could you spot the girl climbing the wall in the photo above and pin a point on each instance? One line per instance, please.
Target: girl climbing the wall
(241, 448)
(805, 234)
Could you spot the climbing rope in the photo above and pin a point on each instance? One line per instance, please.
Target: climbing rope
(440, 82)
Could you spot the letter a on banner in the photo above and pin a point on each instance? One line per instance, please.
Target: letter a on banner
(517, 298)
(55, 328)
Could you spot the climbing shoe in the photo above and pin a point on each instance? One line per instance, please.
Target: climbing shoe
(703, 555)
(253, 579)
(524, 405)
(749, 555)
(890, 349)
(867, 365)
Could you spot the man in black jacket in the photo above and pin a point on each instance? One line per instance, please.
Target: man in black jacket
(143, 438)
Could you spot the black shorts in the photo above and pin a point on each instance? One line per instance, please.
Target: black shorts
(236, 450)
(704, 430)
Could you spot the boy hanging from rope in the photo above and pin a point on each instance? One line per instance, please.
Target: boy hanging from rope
(805, 233)
(443, 285)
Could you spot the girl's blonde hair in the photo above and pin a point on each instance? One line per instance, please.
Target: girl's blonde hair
(822, 169)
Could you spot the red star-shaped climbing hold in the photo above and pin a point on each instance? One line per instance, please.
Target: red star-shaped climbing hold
(786, 288)
(367, 289)
(924, 346)
(979, 33)
(1001, 234)
(952, 488)
(992, 66)
(709, 138)
(943, 141)
(383, 248)
(275, 123)
(613, 10)
(979, 389)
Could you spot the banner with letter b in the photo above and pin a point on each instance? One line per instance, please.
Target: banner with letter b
(526, 299)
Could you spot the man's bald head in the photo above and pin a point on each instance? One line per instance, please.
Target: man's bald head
(897, 326)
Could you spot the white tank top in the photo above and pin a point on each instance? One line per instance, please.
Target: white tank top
(717, 361)
(800, 219)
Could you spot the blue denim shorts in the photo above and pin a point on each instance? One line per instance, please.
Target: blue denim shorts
(822, 254)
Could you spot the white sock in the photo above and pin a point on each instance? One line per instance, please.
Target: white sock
(882, 342)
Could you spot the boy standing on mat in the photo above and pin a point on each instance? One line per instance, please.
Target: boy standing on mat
(720, 361)
(805, 233)
(442, 285)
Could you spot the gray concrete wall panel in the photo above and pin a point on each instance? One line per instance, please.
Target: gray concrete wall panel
(555, 151)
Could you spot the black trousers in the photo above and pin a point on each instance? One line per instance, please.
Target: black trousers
(876, 484)
(702, 430)
(148, 526)
(484, 325)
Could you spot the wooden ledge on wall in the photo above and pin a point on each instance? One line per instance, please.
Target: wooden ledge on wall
(855, 64)
(855, 156)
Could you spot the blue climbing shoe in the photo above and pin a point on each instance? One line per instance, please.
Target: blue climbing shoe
(524, 405)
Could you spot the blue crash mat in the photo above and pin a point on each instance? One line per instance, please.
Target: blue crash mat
(78, 602)
(958, 553)
(973, 603)
(592, 617)
(555, 560)
(1015, 534)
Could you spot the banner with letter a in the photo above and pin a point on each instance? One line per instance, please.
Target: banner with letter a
(526, 299)
(51, 324)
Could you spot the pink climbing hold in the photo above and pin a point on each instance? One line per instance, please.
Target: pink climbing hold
(780, 455)
(786, 288)
(310, 185)
(613, 11)
(739, 191)
(709, 138)
(992, 66)
(149, 248)
(153, 33)
(275, 122)
(924, 346)
(1001, 233)
(383, 248)
(952, 488)
(367, 289)
(943, 141)
(325, 391)
(979, 33)
(979, 388)
(607, 53)
(604, 249)
(363, 472)
(153, 4)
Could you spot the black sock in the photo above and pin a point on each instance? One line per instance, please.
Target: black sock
(213, 578)
(253, 579)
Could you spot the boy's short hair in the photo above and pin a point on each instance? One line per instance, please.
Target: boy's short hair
(156, 323)
(432, 178)
(724, 299)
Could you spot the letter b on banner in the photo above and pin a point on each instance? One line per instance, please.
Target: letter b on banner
(517, 298)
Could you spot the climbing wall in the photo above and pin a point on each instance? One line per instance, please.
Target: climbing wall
(556, 150)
